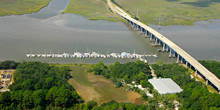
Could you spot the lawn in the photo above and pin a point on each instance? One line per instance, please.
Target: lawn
(94, 87)
(92, 9)
(17, 7)
(172, 12)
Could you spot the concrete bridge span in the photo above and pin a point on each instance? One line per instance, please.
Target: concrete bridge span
(168, 45)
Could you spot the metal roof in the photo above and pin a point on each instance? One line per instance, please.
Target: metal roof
(165, 85)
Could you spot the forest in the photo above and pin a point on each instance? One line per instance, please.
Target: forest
(195, 95)
(8, 64)
(39, 86)
(212, 66)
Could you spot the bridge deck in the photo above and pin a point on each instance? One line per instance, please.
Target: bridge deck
(205, 72)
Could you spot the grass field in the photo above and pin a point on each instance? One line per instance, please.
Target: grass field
(94, 87)
(17, 7)
(172, 12)
(92, 9)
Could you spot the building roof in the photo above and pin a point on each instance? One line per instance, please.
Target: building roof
(6, 76)
(165, 85)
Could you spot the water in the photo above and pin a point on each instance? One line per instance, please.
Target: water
(48, 30)
(201, 40)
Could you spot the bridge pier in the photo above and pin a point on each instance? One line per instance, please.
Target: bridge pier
(186, 64)
(151, 37)
(207, 81)
(174, 54)
(155, 41)
(177, 61)
(170, 55)
(181, 60)
(196, 73)
(159, 42)
(145, 34)
(137, 28)
(163, 47)
(167, 49)
(133, 25)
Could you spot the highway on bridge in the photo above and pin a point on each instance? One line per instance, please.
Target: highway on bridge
(200, 68)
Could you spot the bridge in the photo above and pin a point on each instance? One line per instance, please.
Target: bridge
(168, 45)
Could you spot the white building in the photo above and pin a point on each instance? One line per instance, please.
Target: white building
(165, 85)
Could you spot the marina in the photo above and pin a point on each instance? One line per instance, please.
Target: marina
(122, 55)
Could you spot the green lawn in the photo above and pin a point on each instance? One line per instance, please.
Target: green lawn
(172, 12)
(17, 7)
(92, 9)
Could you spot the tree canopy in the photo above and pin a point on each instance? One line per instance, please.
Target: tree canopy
(38, 85)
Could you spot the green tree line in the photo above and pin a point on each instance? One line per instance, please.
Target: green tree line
(8, 64)
(213, 66)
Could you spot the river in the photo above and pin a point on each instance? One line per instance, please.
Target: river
(50, 31)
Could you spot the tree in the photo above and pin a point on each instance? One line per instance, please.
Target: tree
(51, 95)
(27, 100)
(139, 77)
(145, 83)
(99, 68)
(16, 96)
(8, 64)
(172, 97)
(89, 105)
(62, 97)
(118, 84)
(5, 98)
(39, 97)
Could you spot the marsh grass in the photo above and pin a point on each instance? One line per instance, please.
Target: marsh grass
(18, 7)
(172, 12)
(92, 9)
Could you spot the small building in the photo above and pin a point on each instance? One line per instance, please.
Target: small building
(6, 77)
(165, 85)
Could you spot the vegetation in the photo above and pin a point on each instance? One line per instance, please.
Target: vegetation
(194, 95)
(92, 9)
(17, 7)
(39, 86)
(132, 71)
(8, 65)
(172, 12)
(212, 66)
(43, 86)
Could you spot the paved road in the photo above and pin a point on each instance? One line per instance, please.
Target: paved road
(205, 72)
